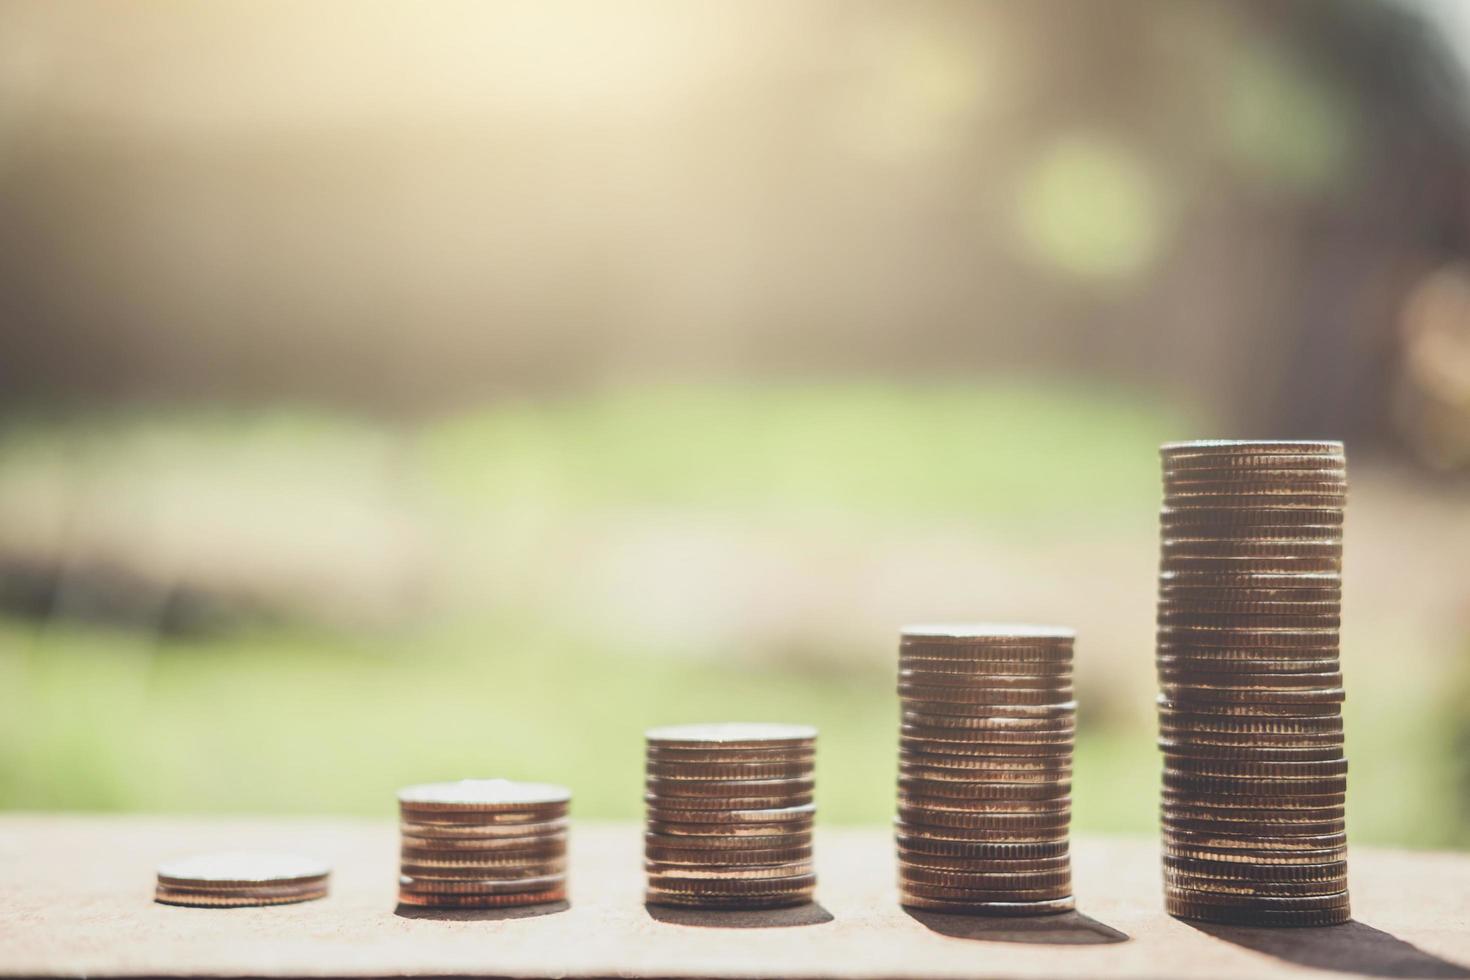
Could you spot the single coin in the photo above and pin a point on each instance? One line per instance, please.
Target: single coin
(984, 849)
(727, 788)
(483, 794)
(986, 696)
(1051, 762)
(722, 772)
(1330, 900)
(1005, 662)
(218, 898)
(754, 734)
(917, 790)
(664, 812)
(912, 900)
(1275, 581)
(714, 804)
(1237, 546)
(1246, 889)
(1211, 598)
(660, 872)
(1025, 777)
(481, 901)
(1201, 750)
(234, 869)
(1270, 696)
(998, 826)
(1168, 617)
(986, 633)
(1252, 723)
(1035, 894)
(1250, 680)
(1256, 857)
(743, 842)
(685, 828)
(1182, 909)
(486, 832)
(1207, 818)
(963, 813)
(1257, 871)
(1203, 666)
(1253, 841)
(1242, 769)
(985, 880)
(440, 885)
(960, 739)
(1051, 719)
(1195, 707)
(960, 752)
(725, 857)
(1276, 828)
(973, 865)
(731, 886)
(459, 855)
(1058, 680)
(655, 896)
(431, 870)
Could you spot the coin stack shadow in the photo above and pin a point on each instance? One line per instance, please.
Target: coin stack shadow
(482, 843)
(1250, 696)
(729, 815)
(985, 769)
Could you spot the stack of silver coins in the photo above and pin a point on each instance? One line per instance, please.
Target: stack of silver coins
(730, 815)
(985, 769)
(232, 879)
(483, 843)
(1250, 719)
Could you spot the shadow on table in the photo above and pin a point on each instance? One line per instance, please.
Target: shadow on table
(1353, 948)
(1067, 929)
(481, 915)
(811, 914)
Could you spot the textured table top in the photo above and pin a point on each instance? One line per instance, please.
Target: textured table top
(76, 899)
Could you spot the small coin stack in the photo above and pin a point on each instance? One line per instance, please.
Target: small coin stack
(985, 769)
(483, 843)
(730, 815)
(233, 879)
(1250, 706)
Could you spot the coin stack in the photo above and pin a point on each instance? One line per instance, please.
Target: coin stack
(1250, 706)
(985, 769)
(232, 879)
(730, 815)
(483, 843)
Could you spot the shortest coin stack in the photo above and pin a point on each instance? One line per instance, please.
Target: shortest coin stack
(483, 843)
(730, 815)
(232, 879)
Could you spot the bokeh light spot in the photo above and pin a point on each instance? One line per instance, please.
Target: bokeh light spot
(1288, 124)
(1089, 208)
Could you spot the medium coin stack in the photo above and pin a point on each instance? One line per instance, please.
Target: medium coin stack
(1250, 706)
(730, 815)
(483, 843)
(985, 769)
(233, 879)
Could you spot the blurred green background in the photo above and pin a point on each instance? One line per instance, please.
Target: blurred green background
(397, 393)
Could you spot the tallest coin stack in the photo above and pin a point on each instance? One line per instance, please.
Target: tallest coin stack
(1250, 696)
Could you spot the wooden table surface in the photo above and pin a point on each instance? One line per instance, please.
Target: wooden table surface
(76, 900)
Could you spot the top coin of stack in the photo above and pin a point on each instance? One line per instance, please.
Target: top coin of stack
(985, 769)
(730, 815)
(1250, 705)
(483, 843)
(232, 879)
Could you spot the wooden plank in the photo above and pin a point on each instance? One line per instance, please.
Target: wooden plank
(75, 899)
